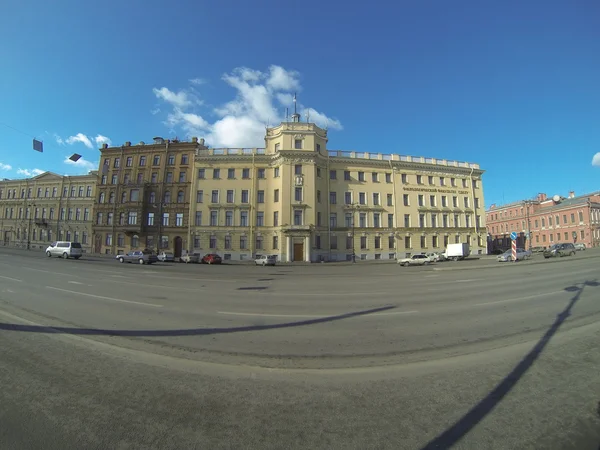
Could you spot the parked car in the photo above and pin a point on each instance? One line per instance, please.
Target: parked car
(166, 257)
(415, 260)
(436, 257)
(580, 246)
(211, 258)
(138, 256)
(522, 254)
(191, 258)
(265, 260)
(555, 250)
(538, 249)
(65, 250)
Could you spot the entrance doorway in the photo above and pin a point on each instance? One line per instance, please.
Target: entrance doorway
(298, 251)
(178, 247)
(98, 244)
(6, 237)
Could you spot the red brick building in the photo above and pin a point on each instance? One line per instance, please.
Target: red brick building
(546, 221)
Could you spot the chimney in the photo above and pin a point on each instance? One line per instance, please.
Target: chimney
(571, 194)
(542, 197)
(202, 141)
(194, 139)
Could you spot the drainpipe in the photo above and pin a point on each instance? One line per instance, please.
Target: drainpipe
(473, 202)
(328, 218)
(253, 200)
(395, 209)
(193, 187)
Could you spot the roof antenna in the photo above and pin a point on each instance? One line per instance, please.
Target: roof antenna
(287, 115)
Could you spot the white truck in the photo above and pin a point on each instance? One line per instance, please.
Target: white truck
(454, 252)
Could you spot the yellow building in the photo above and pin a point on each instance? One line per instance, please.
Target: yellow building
(302, 202)
(143, 196)
(46, 208)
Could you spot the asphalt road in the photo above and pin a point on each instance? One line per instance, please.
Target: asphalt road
(474, 354)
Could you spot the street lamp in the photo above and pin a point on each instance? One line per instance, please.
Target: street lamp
(30, 213)
(353, 207)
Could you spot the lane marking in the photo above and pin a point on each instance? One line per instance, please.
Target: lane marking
(395, 313)
(11, 279)
(74, 282)
(104, 298)
(333, 294)
(464, 281)
(431, 276)
(311, 316)
(519, 298)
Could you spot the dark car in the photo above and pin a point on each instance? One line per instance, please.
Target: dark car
(211, 258)
(567, 249)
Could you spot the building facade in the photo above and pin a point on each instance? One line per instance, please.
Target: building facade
(143, 196)
(46, 208)
(302, 202)
(544, 221)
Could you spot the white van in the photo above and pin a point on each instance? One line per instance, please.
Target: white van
(64, 249)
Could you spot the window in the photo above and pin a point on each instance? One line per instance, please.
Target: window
(164, 241)
(180, 197)
(199, 196)
(423, 241)
(275, 218)
(198, 218)
(434, 217)
(457, 220)
(419, 179)
(140, 178)
(388, 177)
(108, 239)
(88, 191)
(406, 199)
(333, 242)
(168, 197)
(171, 160)
(212, 242)
(348, 198)
(260, 219)
(580, 216)
(348, 220)
(259, 243)
(129, 161)
(430, 179)
(169, 177)
(333, 174)
(230, 196)
(179, 219)
(390, 200)
(298, 169)
(297, 217)
(319, 218)
(150, 220)
(243, 218)
(375, 198)
(260, 198)
(126, 179)
(464, 183)
(245, 196)
(477, 204)
(362, 198)
(231, 174)
(142, 161)
(377, 241)
(432, 201)
(362, 220)
(572, 217)
(333, 198)
(455, 202)
(216, 174)
(391, 241)
(86, 214)
(444, 201)
(227, 242)
(201, 174)
(376, 220)
(214, 218)
(243, 242)
(134, 195)
(421, 220)
(298, 144)
(229, 218)
(165, 219)
(404, 178)
(102, 197)
(184, 159)
(421, 201)
(363, 242)
(261, 174)
(318, 196)
(347, 175)
(466, 202)
(390, 221)
(276, 172)
(154, 178)
(214, 196)
(109, 218)
(132, 219)
(333, 220)
(361, 176)
(182, 177)
(99, 217)
(117, 163)
(276, 195)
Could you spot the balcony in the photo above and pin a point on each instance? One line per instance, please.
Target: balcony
(41, 222)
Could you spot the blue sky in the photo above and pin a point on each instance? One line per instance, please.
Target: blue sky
(514, 86)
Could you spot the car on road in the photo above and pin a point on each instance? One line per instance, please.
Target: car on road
(522, 254)
(211, 258)
(538, 249)
(436, 257)
(265, 260)
(556, 250)
(580, 246)
(166, 257)
(191, 258)
(415, 260)
(64, 249)
(137, 256)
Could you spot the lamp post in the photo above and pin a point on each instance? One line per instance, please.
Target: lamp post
(353, 207)
(30, 213)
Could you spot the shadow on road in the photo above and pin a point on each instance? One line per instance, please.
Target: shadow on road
(466, 423)
(184, 332)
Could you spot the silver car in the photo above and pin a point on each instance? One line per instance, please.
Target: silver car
(64, 249)
(522, 254)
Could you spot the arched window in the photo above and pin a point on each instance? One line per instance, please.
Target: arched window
(135, 241)
(111, 197)
(102, 197)
(152, 197)
(168, 197)
(124, 197)
(180, 197)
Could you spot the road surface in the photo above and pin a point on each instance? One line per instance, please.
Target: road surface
(473, 355)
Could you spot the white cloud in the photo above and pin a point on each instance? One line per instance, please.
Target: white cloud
(5, 167)
(59, 140)
(260, 99)
(596, 160)
(198, 81)
(82, 164)
(30, 173)
(154, 111)
(102, 140)
(80, 137)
